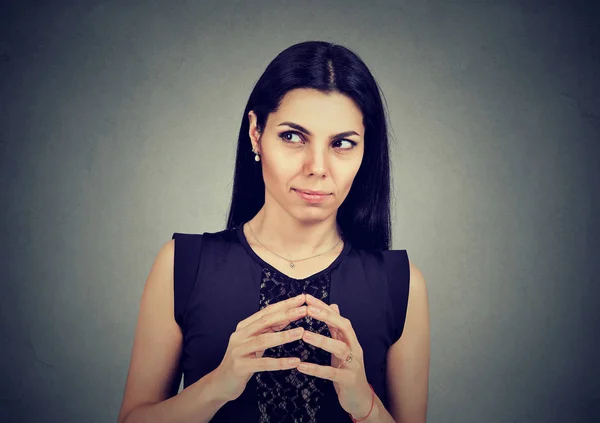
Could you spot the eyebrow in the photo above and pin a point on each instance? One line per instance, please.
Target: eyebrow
(307, 132)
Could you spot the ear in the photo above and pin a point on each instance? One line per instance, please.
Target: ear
(253, 131)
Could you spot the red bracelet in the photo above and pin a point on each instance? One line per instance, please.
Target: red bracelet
(372, 403)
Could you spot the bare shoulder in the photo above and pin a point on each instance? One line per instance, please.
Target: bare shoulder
(167, 253)
(417, 313)
(417, 282)
(409, 357)
(157, 340)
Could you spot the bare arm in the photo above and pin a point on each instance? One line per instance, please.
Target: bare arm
(408, 358)
(155, 355)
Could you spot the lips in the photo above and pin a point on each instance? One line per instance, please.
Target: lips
(313, 192)
(312, 198)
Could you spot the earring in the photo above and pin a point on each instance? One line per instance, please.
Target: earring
(256, 157)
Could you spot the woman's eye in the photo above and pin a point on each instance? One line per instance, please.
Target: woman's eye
(352, 144)
(285, 136)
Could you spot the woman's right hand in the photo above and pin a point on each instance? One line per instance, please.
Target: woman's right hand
(252, 336)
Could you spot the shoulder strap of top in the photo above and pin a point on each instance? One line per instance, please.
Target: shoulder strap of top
(398, 276)
(186, 264)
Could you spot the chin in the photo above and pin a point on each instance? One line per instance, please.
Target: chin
(313, 214)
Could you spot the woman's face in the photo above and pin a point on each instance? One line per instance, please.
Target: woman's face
(301, 149)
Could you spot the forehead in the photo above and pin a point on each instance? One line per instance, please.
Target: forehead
(320, 111)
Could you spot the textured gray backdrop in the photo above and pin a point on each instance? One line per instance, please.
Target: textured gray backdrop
(118, 127)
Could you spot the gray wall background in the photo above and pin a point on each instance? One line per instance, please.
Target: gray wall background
(118, 127)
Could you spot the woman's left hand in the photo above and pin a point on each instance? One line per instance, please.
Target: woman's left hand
(349, 379)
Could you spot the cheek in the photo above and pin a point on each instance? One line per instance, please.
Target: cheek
(275, 171)
(347, 174)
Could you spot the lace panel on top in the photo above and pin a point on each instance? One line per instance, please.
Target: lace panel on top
(289, 395)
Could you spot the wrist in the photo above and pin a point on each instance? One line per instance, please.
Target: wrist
(374, 416)
(217, 393)
(367, 410)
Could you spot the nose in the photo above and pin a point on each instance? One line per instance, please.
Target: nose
(316, 162)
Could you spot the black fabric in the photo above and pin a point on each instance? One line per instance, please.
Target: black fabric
(220, 280)
(187, 253)
(293, 396)
(398, 269)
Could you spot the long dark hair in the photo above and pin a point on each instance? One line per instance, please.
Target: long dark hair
(364, 216)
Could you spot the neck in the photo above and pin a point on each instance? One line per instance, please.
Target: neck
(286, 235)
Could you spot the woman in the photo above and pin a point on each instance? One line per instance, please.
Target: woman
(228, 309)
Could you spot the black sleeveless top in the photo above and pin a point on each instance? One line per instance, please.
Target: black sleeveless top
(219, 281)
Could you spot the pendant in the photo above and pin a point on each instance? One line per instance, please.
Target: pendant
(292, 264)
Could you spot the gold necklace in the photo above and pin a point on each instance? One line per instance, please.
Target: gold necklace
(292, 264)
